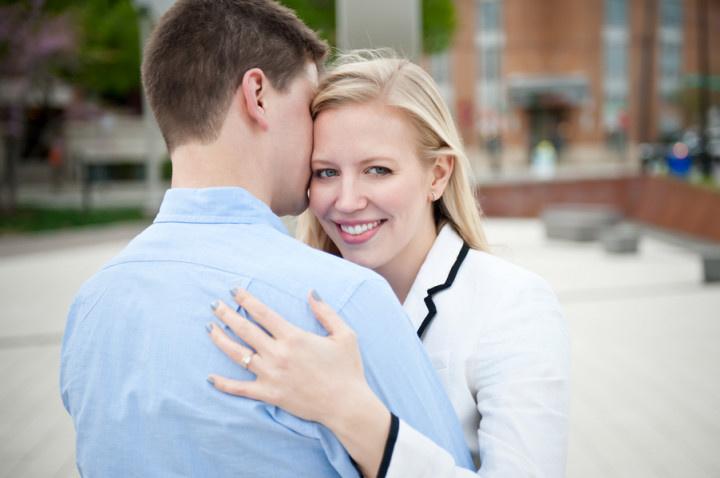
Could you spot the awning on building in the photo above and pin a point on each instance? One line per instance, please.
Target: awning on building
(526, 91)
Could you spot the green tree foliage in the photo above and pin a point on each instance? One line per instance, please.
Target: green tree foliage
(317, 14)
(109, 50)
(107, 57)
(438, 25)
(108, 53)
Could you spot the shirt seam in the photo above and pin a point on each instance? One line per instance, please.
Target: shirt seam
(342, 300)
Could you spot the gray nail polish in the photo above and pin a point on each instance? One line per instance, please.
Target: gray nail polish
(208, 327)
(316, 296)
(211, 380)
(215, 304)
(234, 291)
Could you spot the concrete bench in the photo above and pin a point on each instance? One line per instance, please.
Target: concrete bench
(711, 267)
(578, 222)
(620, 239)
(707, 251)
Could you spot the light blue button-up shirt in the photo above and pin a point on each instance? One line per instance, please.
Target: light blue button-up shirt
(135, 354)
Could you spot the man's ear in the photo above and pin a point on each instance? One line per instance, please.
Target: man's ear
(254, 89)
(441, 173)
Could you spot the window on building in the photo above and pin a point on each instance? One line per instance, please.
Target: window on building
(489, 63)
(671, 13)
(440, 67)
(488, 15)
(616, 13)
(616, 60)
(489, 42)
(615, 44)
(441, 71)
(670, 60)
(670, 48)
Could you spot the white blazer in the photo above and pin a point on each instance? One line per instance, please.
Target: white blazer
(501, 348)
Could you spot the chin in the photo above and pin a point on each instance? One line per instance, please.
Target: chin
(365, 259)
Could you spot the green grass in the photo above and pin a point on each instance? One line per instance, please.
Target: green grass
(35, 219)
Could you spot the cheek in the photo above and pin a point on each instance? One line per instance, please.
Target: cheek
(404, 198)
(320, 198)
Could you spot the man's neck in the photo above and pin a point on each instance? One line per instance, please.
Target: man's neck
(208, 166)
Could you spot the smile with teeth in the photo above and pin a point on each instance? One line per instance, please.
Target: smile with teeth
(358, 229)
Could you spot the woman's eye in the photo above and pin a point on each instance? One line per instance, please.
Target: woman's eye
(326, 173)
(379, 170)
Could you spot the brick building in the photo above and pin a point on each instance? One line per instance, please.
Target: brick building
(594, 77)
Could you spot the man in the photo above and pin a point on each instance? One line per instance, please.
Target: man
(230, 83)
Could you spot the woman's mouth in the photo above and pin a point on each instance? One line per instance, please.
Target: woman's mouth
(358, 232)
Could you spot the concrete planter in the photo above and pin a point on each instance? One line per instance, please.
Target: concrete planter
(580, 222)
(621, 239)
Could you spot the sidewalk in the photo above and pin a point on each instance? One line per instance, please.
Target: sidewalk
(644, 348)
(134, 193)
(105, 194)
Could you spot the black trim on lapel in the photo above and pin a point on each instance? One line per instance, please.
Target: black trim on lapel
(432, 311)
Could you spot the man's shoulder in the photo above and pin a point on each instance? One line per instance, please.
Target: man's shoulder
(301, 265)
(327, 263)
(259, 253)
(260, 243)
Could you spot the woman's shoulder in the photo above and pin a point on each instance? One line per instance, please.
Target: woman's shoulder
(487, 271)
(518, 306)
(508, 293)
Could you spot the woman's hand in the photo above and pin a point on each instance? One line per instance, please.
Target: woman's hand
(316, 378)
(306, 374)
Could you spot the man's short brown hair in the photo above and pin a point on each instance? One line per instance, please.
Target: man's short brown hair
(195, 60)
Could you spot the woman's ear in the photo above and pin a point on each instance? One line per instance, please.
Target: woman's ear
(253, 91)
(441, 173)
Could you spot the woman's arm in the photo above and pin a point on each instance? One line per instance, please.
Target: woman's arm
(519, 374)
(289, 358)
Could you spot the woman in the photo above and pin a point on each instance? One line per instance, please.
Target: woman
(390, 191)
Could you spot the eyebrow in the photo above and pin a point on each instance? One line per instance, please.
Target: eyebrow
(371, 159)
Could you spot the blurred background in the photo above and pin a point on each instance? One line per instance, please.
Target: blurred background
(593, 127)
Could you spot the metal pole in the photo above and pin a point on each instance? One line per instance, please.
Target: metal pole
(380, 23)
(647, 62)
(704, 86)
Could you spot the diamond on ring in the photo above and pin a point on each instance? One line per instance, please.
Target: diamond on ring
(246, 360)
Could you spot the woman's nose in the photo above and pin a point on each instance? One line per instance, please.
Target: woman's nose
(350, 198)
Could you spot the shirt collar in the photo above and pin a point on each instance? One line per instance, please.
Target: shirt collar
(434, 272)
(228, 205)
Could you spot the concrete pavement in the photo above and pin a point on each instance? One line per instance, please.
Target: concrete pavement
(644, 333)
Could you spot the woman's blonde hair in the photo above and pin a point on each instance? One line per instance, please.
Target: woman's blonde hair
(376, 75)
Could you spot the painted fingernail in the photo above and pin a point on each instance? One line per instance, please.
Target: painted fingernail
(215, 305)
(234, 291)
(316, 296)
(209, 327)
(211, 380)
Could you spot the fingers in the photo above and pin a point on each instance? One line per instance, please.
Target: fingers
(262, 314)
(241, 388)
(246, 330)
(325, 314)
(235, 351)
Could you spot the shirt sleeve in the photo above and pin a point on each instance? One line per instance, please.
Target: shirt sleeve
(400, 373)
(519, 374)
(81, 306)
(417, 456)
